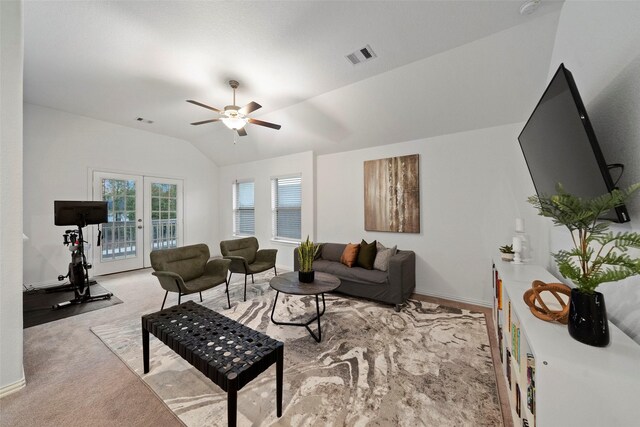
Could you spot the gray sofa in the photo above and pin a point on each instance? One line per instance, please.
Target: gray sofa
(393, 286)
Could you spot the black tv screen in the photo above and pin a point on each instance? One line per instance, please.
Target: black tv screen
(560, 146)
(79, 213)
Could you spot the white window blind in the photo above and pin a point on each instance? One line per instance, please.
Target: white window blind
(286, 202)
(243, 208)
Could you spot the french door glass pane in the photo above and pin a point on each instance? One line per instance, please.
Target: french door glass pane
(119, 234)
(163, 215)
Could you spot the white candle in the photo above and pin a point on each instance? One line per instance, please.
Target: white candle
(517, 245)
(519, 225)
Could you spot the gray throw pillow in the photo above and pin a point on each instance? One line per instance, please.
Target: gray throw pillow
(383, 256)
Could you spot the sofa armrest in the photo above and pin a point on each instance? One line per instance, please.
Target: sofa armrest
(267, 255)
(238, 264)
(170, 281)
(402, 273)
(217, 267)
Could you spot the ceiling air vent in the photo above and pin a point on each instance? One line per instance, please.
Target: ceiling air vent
(362, 55)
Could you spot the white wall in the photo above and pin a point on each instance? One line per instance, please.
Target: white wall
(261, 172)
(11, 55)
(472, 187)
(599, 42)
(59, 151)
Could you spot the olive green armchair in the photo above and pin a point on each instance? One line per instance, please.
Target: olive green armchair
(188, 270)
(247, 259)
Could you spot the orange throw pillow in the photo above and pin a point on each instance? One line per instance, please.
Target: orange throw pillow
(350, 254)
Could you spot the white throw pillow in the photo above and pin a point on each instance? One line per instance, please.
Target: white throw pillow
(383, 256)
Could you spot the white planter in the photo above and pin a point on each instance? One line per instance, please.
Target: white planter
(507, 257)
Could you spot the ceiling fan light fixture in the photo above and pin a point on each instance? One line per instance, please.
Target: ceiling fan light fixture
(234, 122)
(234, 117)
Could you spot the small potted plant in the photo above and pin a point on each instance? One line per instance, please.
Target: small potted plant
(598, 256)
(506, 252)
(306, 253)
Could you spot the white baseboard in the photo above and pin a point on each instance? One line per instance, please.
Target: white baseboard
(12, 388)
(456, 298)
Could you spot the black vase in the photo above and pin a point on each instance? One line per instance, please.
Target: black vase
(588, 318)
(306, 276)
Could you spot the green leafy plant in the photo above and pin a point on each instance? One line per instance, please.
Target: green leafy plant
(598, 255)
(306, 254)
(506, 249)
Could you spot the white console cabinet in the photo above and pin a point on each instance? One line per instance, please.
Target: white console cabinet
(552, 379)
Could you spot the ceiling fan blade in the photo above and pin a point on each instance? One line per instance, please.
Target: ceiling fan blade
(266, 124)
(250, 107)
(205, 121)
(241, 132)
(200, 104)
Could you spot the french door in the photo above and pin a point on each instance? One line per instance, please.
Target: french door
(163, 211)
(145, 213)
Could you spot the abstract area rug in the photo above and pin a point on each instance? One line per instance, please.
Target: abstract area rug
(427, 365)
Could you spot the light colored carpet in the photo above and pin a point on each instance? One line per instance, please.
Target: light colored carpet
(73, 379)
(428, 365)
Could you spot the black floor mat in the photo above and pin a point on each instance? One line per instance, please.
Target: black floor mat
(36, 305)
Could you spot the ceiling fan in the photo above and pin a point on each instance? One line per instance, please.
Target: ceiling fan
(233, 116)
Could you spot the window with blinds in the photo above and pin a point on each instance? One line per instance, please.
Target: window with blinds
(286, 202)
(243, 208)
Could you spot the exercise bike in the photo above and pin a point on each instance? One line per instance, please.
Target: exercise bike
(80, 214)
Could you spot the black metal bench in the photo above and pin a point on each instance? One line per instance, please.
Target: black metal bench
(228, 353)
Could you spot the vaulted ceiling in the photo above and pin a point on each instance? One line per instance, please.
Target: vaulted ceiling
(441, 67)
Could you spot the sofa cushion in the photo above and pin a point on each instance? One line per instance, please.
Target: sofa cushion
(382, 258)
(366, 255)
(350, 254)
(354, 274)
(332, 251)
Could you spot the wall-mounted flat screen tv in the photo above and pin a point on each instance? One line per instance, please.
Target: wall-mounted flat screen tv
(560, 146)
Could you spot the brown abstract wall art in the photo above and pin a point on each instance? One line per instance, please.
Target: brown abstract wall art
(392, 194)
